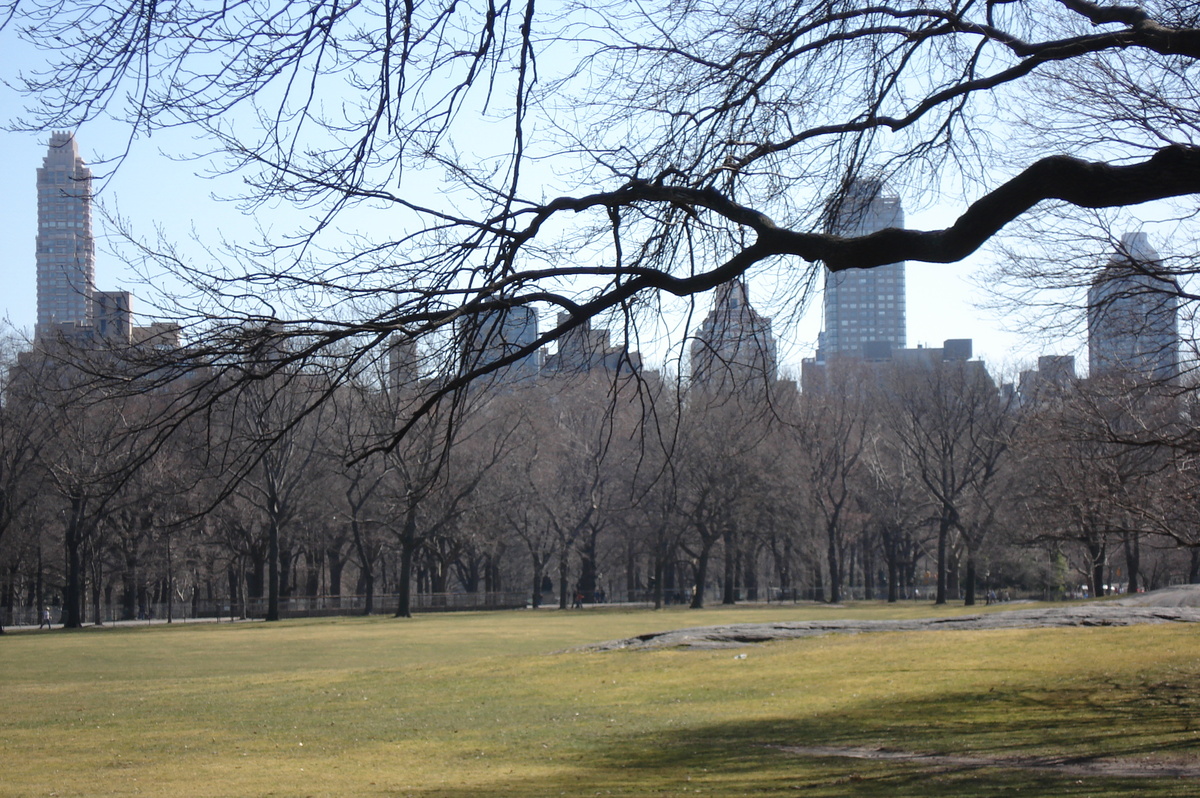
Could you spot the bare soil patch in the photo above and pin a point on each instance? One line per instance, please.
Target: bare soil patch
(1144, 767)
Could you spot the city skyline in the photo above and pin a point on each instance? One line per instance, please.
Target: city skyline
(148, 188)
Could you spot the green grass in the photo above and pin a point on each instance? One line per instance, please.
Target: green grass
(482, 705)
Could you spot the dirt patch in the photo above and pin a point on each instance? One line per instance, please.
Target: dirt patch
(1145, 767)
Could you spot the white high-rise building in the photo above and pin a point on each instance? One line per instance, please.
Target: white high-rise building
(1133, 315)
(66, 254)
(864, 308)
(734, 347)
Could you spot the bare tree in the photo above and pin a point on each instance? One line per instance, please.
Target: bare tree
(97, 444)
(356, 496)
(270, 445)
(432, 474)
(951, 421)
(897, 506)
(21, 437)
(832, 433)
(515, 507)
(717, 479)
(596, 158)
(1100, 456)
(599, 159)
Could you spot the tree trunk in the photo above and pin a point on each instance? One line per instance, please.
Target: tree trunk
(439, 574)
(337, 564)
(256, 582)
(288, 561)
(892, 556)
(701, 577)
(849, 563)
(729, 578)
(369, 589)
(587, 565)
(365, 572)
(1133, 560)
(273, 571)
(970, 597)
(953, 570)
(169, 587)
(835, 576)
(659, 576)
(868, 568)
(1098, 552)
(471, 569)
(408, 545)
(314, 565)
(632, 578)
(129, 590)
(749, 577)
(73, 590)
(563, 573)
(491, 574)
(783, 564)
(942, 545)
(97, 591)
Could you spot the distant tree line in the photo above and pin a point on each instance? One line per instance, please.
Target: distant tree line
(289, 493)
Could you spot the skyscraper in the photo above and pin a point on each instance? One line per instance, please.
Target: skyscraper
(1133, 309)
(583, 350)
(497, 334)
(112, 316)
(734, 347)
(66, 255)
(864, 308)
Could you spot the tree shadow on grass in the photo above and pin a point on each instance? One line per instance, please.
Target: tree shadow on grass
(1097, 742)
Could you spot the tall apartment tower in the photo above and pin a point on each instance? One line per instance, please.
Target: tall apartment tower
(734, 347)
(66, 254)
(497, 334)
(1133, 315)
(583, 350)
(864, 308)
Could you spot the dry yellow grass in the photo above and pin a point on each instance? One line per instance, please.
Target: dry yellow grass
(479, 705)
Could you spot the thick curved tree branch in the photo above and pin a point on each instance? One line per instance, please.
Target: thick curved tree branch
(1173, 171)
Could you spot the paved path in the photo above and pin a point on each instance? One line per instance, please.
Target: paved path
(1178, 596)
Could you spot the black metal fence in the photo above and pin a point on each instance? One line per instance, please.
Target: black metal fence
(292, 607)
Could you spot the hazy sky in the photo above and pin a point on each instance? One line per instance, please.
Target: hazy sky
(153, 191)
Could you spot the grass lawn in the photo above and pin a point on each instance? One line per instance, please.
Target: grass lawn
(487, 704)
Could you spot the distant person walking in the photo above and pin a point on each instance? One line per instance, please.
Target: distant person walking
(45, 618)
